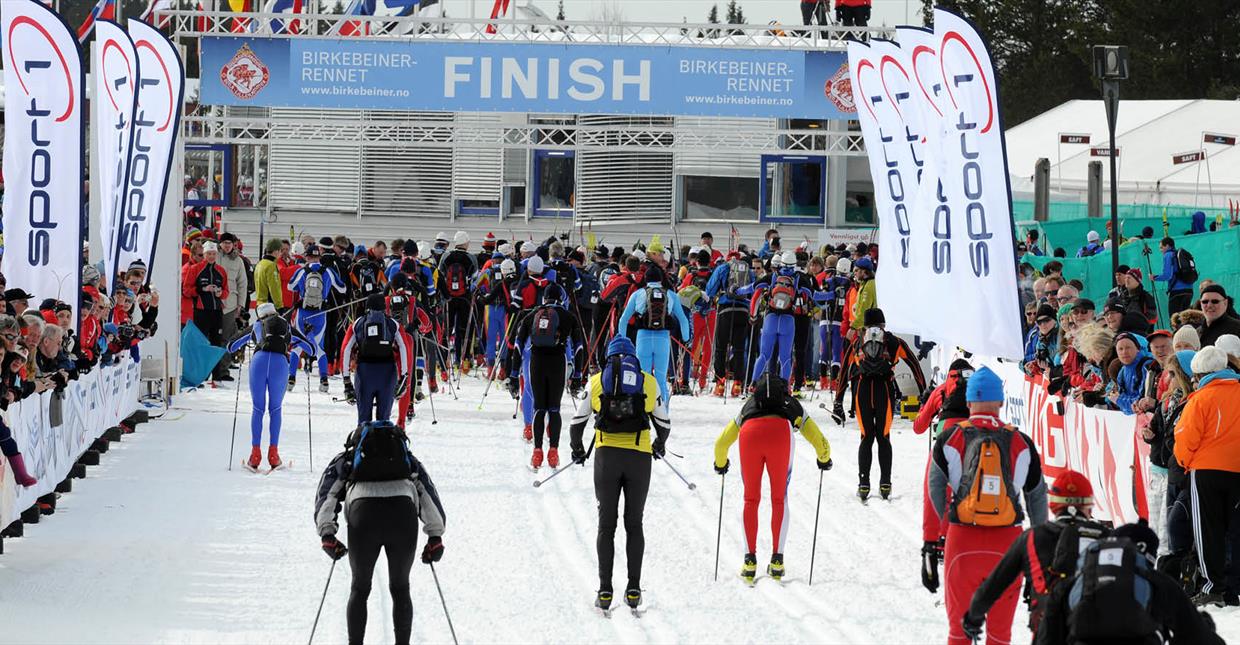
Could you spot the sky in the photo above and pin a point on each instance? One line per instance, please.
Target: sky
(889, 12)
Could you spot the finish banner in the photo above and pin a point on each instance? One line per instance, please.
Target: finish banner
(116, 82)
(523, 77)
(161, 92)
(929, 113)
(44, 170)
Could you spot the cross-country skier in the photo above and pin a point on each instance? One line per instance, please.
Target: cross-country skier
(384, 490)
(313, 283)
(625, 403)
(456, 271)
(836, 287)
(273, 337)
(655, 307)
(944, 408)
(765, 427)
(732, 329)
(870, 370)
(547, 336)
(775, 300)
(986, 465)
(380, 350)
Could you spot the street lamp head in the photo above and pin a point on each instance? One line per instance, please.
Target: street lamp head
(1111, 62)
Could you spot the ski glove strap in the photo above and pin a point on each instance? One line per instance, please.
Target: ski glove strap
(334, 548)
(433, 552)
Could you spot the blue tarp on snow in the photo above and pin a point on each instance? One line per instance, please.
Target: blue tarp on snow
(198, 356)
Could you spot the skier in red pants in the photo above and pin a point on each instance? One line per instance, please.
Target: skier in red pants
(765, 427)
(985, 463)
(944, 408)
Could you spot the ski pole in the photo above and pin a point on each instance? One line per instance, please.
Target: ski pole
(232, 443)
(444, 603)
(814, 544)
(309, 424)
(691, 485)
(495, 363)
(425, 368)
(719, 529)
(321, 601)
(540, 482)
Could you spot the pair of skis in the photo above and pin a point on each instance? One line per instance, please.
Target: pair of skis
(266, 471)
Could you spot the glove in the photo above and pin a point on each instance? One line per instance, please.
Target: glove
(931, 553)
(334, 548)
(723, 470)
(245, 317)
(826, 465)
(972, 625)
(576, 384)
(837, 415)
(349, 394)
(514, 387)
(658, 448)
(433, 552)
(402, 385)
(578, 454)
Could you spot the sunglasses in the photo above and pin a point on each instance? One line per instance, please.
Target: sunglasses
(1045, 319)
(1211, 302)
(11, 337)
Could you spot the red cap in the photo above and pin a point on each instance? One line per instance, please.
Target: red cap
(1136, 273)
(1070, 488)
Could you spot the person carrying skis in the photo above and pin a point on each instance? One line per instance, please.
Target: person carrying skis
(624, 400)
(313, 283)
(655, 307)
(869, 369)
(380, 348)
(1117, 596)
(986, 465)
(456, 269)
(544, 337)
(1046, 554)
(732, 321)
(273, 337)
(765, 427)
(775, 300)
(384, 491)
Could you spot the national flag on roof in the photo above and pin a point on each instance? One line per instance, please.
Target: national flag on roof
(149, 15)
(240, 25)
(285, 6)
(105, 10)
(357, 27)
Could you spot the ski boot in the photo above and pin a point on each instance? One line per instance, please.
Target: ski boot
(776, 568)
(553, 458)
(466, 365)
(863, 492)
(749, 570)
(633, 597)
(292, 382)
(719, 387)
(323, 385)
(537, 460)
(528, 433)
(603, 601)
(736, 389)
(418, 396)
(433, 385)
(256, 458)
(824, 383)
(273, 457)
(444, 375)
(884, 490)
(796, 394)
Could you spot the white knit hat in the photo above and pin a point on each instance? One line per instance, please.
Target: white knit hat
(844, 265)
(461, 238)
(210, 247)
(424, 250)
(1187, 335)
(1208, 361)
(265, 309)
(535, 265)
(1229, 343)
(506, 249)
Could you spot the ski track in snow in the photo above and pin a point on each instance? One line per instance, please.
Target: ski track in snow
(161, 543)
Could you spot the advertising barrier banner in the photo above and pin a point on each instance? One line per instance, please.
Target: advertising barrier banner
(1104, 445)
(516, 77)
(44, 170)
(53, 429)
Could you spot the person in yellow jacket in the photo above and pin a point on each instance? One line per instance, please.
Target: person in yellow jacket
(765, 427)
(867, 296)
(267, 276)
(626, 407)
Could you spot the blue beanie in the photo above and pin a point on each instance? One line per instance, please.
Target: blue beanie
(621, 345)
(1185, 357)
(984, 385)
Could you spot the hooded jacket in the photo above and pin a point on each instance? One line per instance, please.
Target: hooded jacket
(1207, 435)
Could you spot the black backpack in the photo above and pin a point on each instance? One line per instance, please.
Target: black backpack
(380, 453)
(1111, 594)
(656, 307)
(275, 335)
(377, 338)
(545, 326)
(367, 277)
(1185, 266)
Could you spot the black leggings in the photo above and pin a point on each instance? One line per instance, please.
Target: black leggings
(391, 524)
(620, 470)
(873, 398)
(731, 340)
(800, 350)
(547, 369)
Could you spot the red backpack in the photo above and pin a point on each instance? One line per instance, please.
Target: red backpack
(456, 283)
(783, 294)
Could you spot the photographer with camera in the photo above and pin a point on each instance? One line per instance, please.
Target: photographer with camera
(52, 361)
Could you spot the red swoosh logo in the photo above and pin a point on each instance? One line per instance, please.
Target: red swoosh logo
(146, 44)
(882, 64)
(27, 20)
(857, 78)
(109, 45)
(952, 35)
(918, 51)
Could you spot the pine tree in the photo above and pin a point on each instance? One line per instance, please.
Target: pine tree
(559, 14)
(713, 16)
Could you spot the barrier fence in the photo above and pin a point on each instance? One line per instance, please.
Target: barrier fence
(54, 429)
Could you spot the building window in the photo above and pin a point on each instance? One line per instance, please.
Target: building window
(706, 197)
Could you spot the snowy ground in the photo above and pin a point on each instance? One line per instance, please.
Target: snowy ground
(163, 544)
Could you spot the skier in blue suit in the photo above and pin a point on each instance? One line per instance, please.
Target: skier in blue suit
(654, 342)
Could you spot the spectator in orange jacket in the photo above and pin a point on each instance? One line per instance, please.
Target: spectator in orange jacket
(1207, 444)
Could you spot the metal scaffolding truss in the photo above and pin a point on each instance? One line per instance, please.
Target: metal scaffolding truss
(193, 24)
(399, 134)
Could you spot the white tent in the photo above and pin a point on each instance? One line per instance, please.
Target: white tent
(1149, 136)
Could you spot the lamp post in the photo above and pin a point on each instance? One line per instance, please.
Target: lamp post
(1111, 67)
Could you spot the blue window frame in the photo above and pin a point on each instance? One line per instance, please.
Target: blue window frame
(198, 166)
(793, 189)
(471, 208)
(554, 183)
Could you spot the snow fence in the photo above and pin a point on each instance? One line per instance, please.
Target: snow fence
(54, 429)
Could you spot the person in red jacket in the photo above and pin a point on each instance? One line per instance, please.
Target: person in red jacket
(944, 408)
(703, 317)
(853, 13)
(205, 283)
(616, 293)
